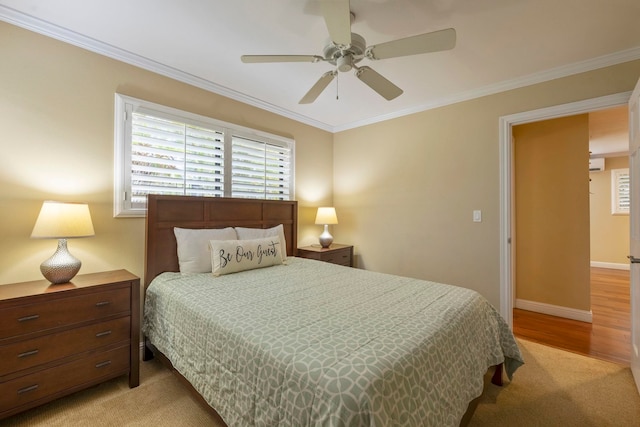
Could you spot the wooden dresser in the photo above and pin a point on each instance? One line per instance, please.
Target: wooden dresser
(58, 339)
(335, 254)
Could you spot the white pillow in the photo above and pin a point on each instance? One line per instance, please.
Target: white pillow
(231, 256)
(193, 247)
(258, 233)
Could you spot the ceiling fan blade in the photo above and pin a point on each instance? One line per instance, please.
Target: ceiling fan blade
(375, 81)
(317, 88)
(422, 43)
(249, 59)
(337, 16)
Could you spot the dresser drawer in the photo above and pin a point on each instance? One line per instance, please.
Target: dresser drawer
(64, 311)
(341, 257)
(27, 354)
(334, 254)
(64, 378)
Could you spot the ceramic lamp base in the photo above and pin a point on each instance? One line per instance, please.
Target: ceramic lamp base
(325, 238)
(62, 266)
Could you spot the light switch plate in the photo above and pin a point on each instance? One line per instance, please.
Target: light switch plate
(477, 216)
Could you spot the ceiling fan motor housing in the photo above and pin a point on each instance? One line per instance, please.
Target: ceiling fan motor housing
(343, 58)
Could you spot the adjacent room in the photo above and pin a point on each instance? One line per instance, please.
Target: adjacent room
(319, 212)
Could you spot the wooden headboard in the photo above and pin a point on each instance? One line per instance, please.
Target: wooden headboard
(166, 212)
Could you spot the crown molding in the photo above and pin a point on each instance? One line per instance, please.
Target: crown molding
(37, 25)
(528, 80)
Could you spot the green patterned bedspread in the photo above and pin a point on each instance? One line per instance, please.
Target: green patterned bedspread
(315, 344)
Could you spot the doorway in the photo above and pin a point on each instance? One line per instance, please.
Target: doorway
(551, 216)
(507, 229)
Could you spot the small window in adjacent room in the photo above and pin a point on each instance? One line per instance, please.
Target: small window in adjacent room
(620, 192)
(161, 150)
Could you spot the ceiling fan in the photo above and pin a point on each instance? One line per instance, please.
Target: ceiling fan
(346, 49)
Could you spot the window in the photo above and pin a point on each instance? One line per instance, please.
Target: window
(620, 192)
(162, 150)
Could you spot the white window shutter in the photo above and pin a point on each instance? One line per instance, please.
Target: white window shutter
(162, 150)
(260, 170)
(173, 158)
(620, 191)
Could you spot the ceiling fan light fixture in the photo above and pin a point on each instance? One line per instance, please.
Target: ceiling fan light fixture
(344, 63)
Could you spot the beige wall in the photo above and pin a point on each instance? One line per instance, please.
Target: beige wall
(551, 162)
(609, 233)
(405, 189)
(57, 105)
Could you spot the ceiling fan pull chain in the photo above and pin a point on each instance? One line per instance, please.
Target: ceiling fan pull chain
(337, 91)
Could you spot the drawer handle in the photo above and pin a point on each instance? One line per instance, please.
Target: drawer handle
(102, 303)
(103, 334)
(27, 318)
(28, 389)
(28, 353)
(103, 364)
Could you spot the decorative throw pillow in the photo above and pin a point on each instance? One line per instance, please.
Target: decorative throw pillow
(193, 247)
(258, 233)
(231, 256)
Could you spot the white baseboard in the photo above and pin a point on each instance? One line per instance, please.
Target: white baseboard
(555, 310)
(611, 265)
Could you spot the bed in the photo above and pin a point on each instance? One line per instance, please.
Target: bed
(307, 343)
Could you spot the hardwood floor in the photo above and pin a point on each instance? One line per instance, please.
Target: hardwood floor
(608, 337)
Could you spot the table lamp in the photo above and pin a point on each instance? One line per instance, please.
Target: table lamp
(61, 221)
(326, 216)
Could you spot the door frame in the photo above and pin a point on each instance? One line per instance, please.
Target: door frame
(507, 226)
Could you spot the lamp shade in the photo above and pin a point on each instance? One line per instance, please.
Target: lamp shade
(59, 220)
(326, 216)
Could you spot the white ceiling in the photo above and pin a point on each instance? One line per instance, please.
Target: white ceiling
(501, 44)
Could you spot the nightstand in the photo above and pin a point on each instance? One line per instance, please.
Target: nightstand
(59, 339)
(335, 254)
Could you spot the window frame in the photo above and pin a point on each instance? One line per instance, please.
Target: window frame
(126, 105)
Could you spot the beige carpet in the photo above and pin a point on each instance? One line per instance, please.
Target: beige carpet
(553, 388)
(558, 388)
